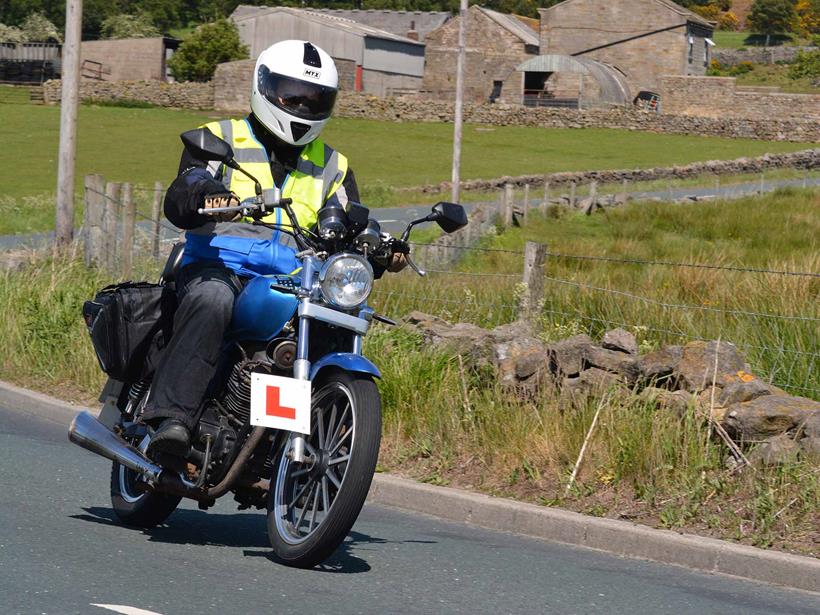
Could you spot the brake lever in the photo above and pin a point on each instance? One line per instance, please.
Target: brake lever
(413, 265)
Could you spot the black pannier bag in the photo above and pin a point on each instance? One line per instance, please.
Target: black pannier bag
(126, 322)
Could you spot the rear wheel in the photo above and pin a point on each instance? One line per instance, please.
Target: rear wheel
(134, 506)
(313, 505)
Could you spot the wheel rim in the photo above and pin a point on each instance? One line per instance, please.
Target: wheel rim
(128, 478)
(304, 493)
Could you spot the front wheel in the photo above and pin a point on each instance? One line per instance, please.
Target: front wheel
(313, 505)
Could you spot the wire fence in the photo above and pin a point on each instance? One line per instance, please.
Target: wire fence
(771, 315)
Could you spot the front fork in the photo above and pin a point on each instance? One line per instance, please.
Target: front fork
(301, 371)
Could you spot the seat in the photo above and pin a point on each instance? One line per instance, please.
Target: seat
(172, 265)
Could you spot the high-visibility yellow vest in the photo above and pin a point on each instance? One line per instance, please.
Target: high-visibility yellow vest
(320, 171)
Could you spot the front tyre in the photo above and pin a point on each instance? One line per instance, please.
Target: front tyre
(313, 505)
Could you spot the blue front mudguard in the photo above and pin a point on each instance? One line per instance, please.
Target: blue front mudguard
(347, 361)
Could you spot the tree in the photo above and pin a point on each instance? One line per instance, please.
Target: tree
(36, 28)
(772, 17)
(129, 26)
(210, 44)
(808, 17)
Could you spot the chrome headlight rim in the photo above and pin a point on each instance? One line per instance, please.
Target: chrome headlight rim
(329, 264)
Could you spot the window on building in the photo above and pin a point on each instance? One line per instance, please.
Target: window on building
(496, 93)
(708, 43)
(691, 49)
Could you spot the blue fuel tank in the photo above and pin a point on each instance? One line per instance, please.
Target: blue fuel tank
(260, 312)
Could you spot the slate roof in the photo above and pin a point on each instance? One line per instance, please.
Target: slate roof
(244, 12)
(513, 24)
(669, 4)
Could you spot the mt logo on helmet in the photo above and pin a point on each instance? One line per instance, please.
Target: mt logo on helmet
(294, 90)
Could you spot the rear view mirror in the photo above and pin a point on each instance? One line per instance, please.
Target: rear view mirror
(204, 145)
(449, 216)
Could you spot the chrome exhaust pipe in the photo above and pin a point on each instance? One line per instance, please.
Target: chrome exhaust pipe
(88, 432)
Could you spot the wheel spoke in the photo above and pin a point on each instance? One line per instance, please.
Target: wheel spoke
(338, 429)
(299, 473)
(340, 442)
(313, 511)
(342, 459)
(332, 476)
(305, 507)
(325, 495)
(310, 449)
(320, 424)
(331, 423)
(299, 495)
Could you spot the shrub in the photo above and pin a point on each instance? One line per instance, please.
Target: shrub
(728, 21)
(129, 26)
(36, 28)
(210, 44)
(10, 34)
(772, 17)
(806, 65)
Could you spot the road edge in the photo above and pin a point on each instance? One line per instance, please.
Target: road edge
(613, 536)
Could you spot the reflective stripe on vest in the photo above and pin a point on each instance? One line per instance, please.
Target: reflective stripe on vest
(320, 171)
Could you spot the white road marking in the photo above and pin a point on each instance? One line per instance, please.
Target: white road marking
(125, 610)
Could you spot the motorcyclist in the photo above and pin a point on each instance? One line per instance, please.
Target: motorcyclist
(292, 98)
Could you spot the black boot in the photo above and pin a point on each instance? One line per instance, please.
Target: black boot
(171, 437)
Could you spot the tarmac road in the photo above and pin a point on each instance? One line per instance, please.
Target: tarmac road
(61, 551)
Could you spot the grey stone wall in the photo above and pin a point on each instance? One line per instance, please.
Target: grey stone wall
(758, 55)
(182, 95)
(805, 159)
(416, 109)
(720, 97)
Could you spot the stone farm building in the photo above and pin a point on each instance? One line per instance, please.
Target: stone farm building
(368, 59)
(496, 45)
(641, 39)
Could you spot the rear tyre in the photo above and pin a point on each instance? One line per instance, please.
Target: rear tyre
(313, 505)
(137, 508)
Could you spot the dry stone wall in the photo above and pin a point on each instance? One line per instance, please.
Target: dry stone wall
(721, 97)
(759, 55)
(181, 95)
(410, 109)
(806, 159)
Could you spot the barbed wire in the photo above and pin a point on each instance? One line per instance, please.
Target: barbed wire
(679, 305)
(630, 261)
(137, 212)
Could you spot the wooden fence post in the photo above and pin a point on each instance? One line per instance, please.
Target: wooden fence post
(526, 201)
(129, 214)
(155, 217)
(94, 208)
(593, 197)
(546, 194)
(572, 195)
(535, 254)
(624, 190)
(112, 204)
(508, 205)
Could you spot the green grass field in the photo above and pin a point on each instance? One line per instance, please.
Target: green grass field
(142, 146)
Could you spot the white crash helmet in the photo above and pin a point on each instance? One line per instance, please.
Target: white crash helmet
(294, 90)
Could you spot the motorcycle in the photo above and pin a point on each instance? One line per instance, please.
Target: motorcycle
(292, 420)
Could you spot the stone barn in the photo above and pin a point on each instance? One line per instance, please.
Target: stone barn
(369, 60)
(641, 39)
(496, 45)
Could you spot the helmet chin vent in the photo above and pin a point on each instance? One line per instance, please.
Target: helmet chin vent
(298, 130)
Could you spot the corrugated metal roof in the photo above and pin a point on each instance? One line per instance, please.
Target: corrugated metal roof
(513, 24)
(613, 85)
(395, 22)
(244, 12)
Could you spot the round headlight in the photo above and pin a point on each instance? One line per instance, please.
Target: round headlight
(346, 280)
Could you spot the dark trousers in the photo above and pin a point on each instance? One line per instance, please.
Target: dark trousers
(206, 293)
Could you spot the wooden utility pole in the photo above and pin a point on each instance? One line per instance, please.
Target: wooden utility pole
(462, 29)
(68, 121)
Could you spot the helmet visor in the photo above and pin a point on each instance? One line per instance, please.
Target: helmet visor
(302, 99)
